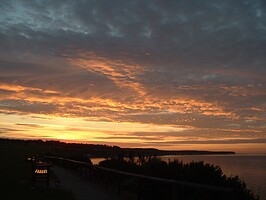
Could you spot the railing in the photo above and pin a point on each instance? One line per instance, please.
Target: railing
(228, 193)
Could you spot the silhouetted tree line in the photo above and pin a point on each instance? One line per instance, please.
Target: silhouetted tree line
(62, 149)
(196, 172)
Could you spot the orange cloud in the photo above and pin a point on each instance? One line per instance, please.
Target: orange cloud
(122, 74)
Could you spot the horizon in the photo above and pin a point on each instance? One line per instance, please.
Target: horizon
(102, 144)
(167, 75)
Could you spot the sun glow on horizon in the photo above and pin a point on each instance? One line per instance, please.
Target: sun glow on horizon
(124, 134)
(39, 126)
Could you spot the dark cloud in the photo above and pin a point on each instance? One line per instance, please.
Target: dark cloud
(231, 141)
(7, 130)
(27, 107)
(208, 33)
(29, 125)
(127, 138)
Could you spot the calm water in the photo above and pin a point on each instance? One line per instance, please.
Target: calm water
(249, 167)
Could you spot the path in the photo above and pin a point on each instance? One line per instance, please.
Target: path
(81, 188)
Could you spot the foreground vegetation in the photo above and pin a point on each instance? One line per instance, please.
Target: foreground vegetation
(196, 172)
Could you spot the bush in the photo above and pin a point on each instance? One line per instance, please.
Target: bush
(195, 172)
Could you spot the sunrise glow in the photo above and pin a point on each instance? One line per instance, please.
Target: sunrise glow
(140, 78)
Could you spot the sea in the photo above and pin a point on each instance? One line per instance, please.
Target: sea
(251, 168)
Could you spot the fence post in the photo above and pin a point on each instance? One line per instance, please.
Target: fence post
(119, 185)
(174, 191)
(90, 173)
(107, 180)
(48, 176)
(139, 188)
(233, 194)
(86, 171)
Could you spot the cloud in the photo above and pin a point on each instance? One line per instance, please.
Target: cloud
(178, 63)
(230, 141)
(7, 130)
(29, 125)
(194, 34)
(115, 138)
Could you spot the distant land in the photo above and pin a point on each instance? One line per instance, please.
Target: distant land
(57, 148)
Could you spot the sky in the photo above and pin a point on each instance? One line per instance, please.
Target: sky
(175, 74)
